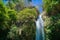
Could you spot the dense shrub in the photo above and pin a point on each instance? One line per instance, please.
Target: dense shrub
(16, 26)
(27, 19)
(6, 18)
(52, 19)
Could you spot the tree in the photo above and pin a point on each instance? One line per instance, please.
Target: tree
(6, 18)
(52, 23)
(17, 5)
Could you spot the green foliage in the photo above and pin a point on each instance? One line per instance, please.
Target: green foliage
(11, 22)
(13, 15)
(27, 18)
(18, 4)
(26, 29)
(3, 16)
(13, 33)
(6, 18)
(53, 27)
(27, 14)
(52, 7)
(10, 5)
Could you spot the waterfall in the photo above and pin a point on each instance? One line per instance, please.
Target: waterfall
(39, 29)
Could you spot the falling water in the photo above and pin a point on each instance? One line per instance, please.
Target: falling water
(39, 29)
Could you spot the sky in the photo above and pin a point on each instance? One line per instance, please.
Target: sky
(38, 3)
(35, 3)
(5, 1)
